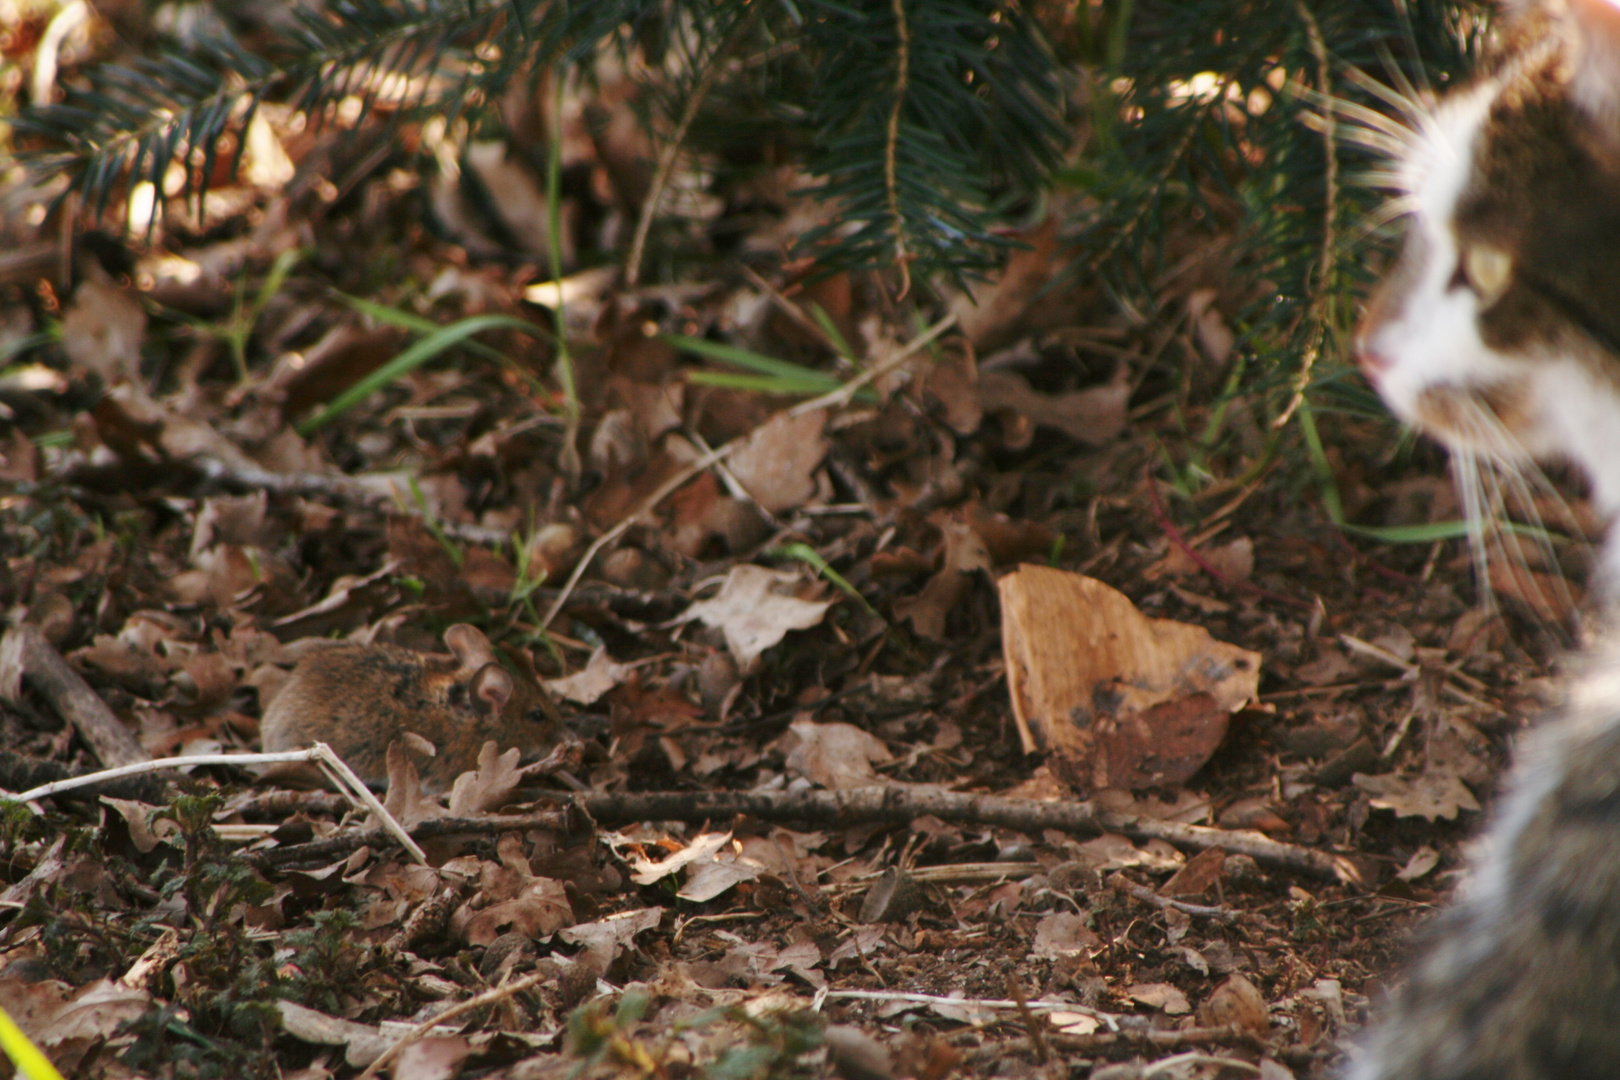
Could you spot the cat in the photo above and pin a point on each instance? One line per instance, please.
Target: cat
(1498, 332)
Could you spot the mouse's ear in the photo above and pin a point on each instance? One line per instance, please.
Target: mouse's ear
(469, 646)
(491, 689)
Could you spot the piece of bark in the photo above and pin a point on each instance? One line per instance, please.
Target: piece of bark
(25, 653)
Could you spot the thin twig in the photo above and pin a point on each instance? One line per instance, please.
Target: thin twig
(1148, 896)
(319, 752)
(646, 506)
(45, 791)
(1384, 656)
(666, 159)
(848, 390)
(789, 308)
(1031, 1025)
(330, 847)
(1040, 1004)
(488, 997)
(1330, 213)
(1179, 540)
(899, 805)
(891, 184)
(840, 396)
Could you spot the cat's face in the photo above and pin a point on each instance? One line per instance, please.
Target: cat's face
(1498, 331)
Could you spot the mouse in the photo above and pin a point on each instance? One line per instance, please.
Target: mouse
(358, 699)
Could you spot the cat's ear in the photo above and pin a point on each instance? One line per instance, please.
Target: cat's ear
(1596, 80)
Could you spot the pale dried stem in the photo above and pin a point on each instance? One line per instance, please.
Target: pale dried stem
(838, 397)
(488, 997)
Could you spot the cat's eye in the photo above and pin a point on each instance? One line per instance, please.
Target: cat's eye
(1488, 270)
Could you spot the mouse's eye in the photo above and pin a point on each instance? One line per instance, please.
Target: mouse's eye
(537, 715)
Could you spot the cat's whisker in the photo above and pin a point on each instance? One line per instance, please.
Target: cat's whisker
(1510, 480)
(1403, 97)
(1353, 112)
(1465, 477)
(1378, 142)
(1372, 222)
(1377, 179)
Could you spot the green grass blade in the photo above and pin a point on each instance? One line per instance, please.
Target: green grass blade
(810, 556)
(761, 384)
(830, 328)
(409, 360)
(749, 360)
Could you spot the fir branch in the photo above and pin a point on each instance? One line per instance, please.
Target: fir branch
(922, 174)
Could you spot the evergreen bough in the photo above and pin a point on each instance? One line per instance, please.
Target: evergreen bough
(930, 122)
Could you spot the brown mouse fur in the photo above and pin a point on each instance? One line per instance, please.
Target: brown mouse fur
(360, 698)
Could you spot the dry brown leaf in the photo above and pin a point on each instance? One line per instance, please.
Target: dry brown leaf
(1110, 852)
(776, 464)
(103, 327)
(19, 459)
(1063, 933)
(1215, 340)
(599, 675)
(835, 756)
(145, 833)
(541, 907)
(1117, 698)
(965, 552)
(490, 785)
(645, 871)
(433, 1057)
(1432, 794)
(1198, 875)
(755, 609)
(607, 937)
(1094, 417)
(710, 877)
(953, 381)
(96, 1011)
(1160, 996)
(1422, 861)
(1237, 1001)
(996, 311)
(364, 1043)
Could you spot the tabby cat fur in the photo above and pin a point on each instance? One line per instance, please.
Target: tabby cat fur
(1498, 332)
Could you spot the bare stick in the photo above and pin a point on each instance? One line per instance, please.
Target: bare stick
(1039, 1005)
(488, 997)
(899, 805)
(328, 757)
(24, 652)
(1148, 896)
(332, 846)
